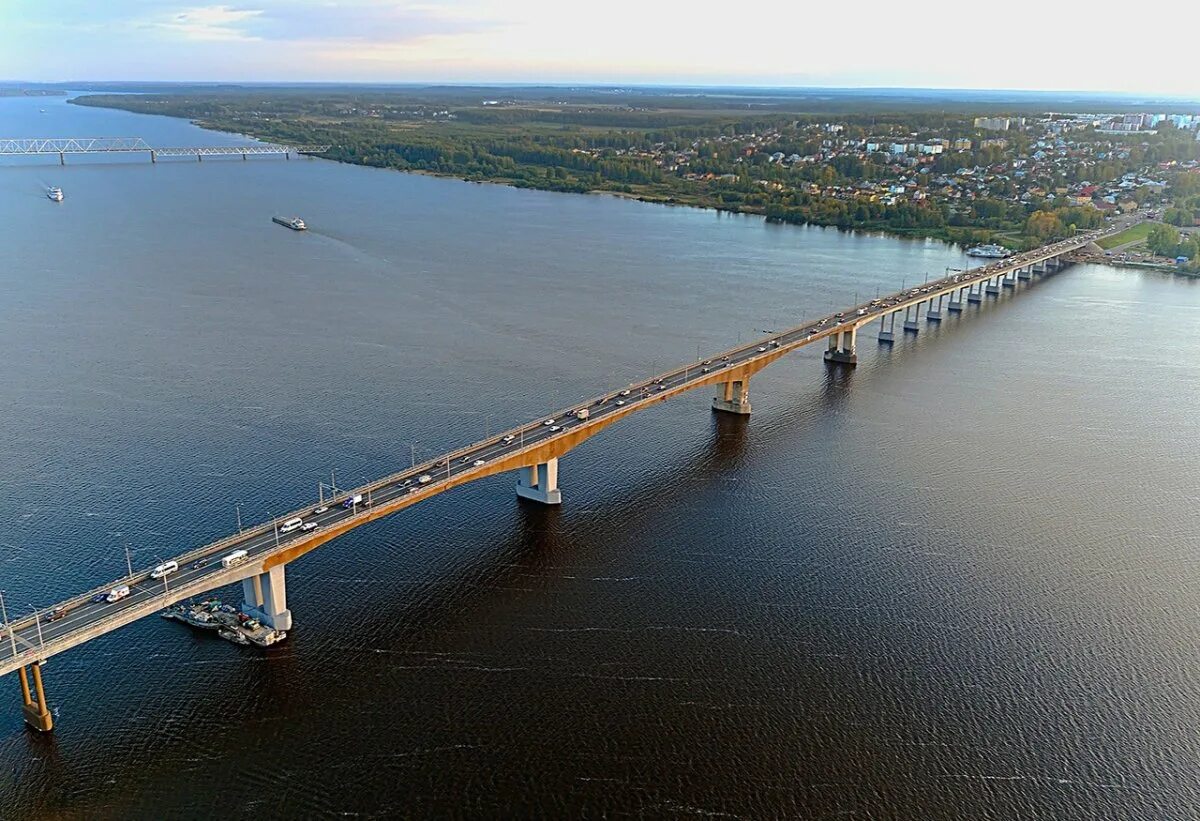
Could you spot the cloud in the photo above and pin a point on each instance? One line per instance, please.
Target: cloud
(364, 22)
(273, 21)
(210, 23)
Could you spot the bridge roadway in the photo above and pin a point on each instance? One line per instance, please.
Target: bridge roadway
(533, 447)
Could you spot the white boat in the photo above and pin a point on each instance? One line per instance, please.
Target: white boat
(989, 251)
(295, 223)
(55, 194)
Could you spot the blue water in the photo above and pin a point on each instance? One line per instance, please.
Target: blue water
(959, 581)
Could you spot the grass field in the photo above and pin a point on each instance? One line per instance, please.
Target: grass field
(1132, 234)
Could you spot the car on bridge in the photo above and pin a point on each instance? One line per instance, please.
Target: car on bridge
(117, 593)
(56, 614)
(165, 569)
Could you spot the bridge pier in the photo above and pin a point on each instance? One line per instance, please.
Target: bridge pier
(934, 314)
(62, 158)
(37, 712)
(912, 318)
(955, 303)
(736, 397)
(264, 597)
(974, 293)
(841, 347)
(539, 483)
(887, 333)
(153, 156)
(992, 287)
(1025, 273)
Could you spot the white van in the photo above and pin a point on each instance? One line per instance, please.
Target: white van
(117, 593)
(292, 524)
(164, 569)
(236, 557)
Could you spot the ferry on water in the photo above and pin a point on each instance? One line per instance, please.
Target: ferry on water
(989, 251)
(295, 223)
(55, 194)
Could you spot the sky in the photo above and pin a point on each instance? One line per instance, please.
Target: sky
(1025, 44)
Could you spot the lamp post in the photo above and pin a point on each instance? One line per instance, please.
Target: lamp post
(4, 612)
(37, 617)
(128, 561)
(238, 507)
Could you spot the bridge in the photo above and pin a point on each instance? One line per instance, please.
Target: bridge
(532, 450)
(62, 146)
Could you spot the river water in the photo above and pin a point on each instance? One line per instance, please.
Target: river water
(960, 581)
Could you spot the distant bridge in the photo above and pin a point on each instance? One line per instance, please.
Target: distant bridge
(62, 146)
(531, 449)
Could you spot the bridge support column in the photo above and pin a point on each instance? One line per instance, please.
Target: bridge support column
(153, 156)
(735, 398)
(199, 158)
(992, 287)
(539, 483)
(887, 332)
(841, 347)
(1025, 273)
(974, 295)
(912, 318)
(37, 713)
(264, 597)
(955, 303)
(1009, 280)
(934, 314)
(62, 158)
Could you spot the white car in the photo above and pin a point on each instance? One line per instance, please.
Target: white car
(307, 526)
(548, 422)
(165, 569)
(625, 392)
(762, 349)
(508, 439)
(555, 428)
(479, 462)
(319, 510)
(424, 479)
(620, 402)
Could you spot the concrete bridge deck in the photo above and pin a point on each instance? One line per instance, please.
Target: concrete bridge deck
(532, 448)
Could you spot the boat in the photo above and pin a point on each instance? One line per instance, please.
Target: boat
(989, 251)
(55, 194)
(235, 636)
(295, 223)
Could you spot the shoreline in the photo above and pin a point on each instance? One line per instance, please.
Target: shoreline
(652, 200)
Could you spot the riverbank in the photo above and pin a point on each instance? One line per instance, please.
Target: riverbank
(579, 155)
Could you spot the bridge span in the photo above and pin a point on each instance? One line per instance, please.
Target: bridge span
(62, 146)
(532, 449)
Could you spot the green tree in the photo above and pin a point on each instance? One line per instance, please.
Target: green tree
(1043, 225)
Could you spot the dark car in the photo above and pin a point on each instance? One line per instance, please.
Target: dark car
(56, 614)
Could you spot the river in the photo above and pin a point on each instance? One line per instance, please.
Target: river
(959, 581)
